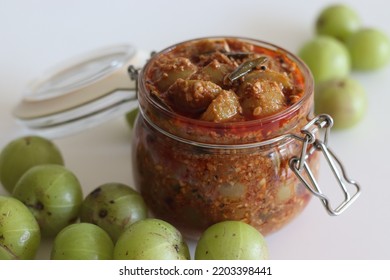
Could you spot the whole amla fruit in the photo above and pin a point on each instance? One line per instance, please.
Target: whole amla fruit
(21, 154)
(20, 236)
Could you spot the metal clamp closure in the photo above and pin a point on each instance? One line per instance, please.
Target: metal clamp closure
(311, 144)
(133, 75)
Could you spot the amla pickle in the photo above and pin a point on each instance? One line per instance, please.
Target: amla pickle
(215, 145)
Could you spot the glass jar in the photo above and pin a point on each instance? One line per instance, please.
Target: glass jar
(194, 173)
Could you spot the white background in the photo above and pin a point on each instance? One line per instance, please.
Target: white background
(35, 35)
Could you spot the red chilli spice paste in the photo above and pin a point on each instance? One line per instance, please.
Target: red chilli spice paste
(209, 144)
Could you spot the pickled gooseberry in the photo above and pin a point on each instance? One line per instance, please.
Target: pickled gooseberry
(326, 57)
(19, 231)
(113, 207)
(53, 194)
(23, 153)
(344, 99)
(151, 239)
(171, 69)
(192, 96)
(369, 49)
(223, 108)
(82, 241)
(231, 240)
(338, 21)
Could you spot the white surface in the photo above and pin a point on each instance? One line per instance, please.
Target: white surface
(36, 35)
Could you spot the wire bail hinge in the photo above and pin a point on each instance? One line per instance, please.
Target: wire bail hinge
(133, 74)
(299, 165)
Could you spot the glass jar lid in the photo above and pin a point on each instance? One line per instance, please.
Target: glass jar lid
(83, 92)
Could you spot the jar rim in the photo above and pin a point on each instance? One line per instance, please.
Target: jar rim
(305, 71)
